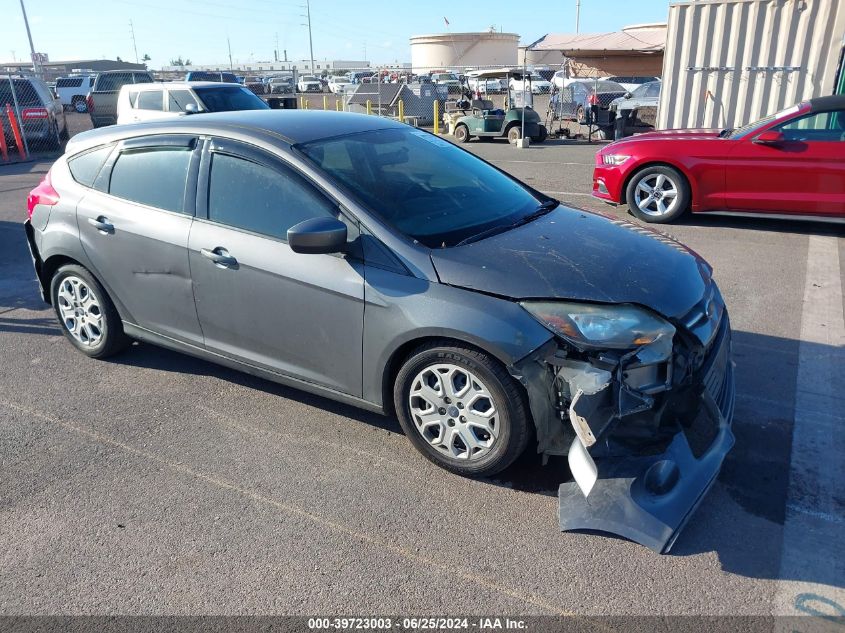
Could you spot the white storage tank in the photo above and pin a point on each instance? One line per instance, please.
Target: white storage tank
(462, 50)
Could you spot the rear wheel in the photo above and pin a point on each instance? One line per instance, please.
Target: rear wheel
(80, 106)
(514, 134)
(88, 318)
(461, 409)
(579, 115)
(658, 194)
(542, 136)
(461, 133)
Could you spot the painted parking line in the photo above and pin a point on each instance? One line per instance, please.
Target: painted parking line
(537, 162)
(812, 568)
(567, 193)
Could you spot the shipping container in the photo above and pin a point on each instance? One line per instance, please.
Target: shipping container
(729, 62)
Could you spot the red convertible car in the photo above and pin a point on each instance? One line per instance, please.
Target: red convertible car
(788, 164)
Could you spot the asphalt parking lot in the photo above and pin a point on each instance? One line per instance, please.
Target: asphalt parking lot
(154, 483)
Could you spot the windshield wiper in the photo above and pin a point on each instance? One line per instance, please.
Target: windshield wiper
(726, 132)
(543, 209)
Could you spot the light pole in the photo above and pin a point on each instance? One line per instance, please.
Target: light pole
(36, 66)
(310, 41)
(577, 16)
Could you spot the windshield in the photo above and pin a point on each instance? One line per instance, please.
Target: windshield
(228, 98)
(423, 186)
(756, 125)
(606, 86)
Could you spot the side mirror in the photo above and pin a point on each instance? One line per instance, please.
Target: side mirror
(627, 95)
(318, 235)
(191, 108)
(770, 137)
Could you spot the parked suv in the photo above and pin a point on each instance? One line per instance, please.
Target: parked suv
(148, 102)
(73, 90)
(40, 115)
(102, 100)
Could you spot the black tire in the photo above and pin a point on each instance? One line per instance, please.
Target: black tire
(542, 136)
(65, 133)
(649, 176)
(579, 115)
(461, 133)
(112, 338)
(512, 419)
(514, 134)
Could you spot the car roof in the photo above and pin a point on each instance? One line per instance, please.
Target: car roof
(290, 126)
(178, 85)
(831, 102)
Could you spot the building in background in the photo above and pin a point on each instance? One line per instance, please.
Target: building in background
(304, 66)
(634, 51)
(463, 50)
(53, 70)
(729, 62)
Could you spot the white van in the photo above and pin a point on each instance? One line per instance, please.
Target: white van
(72, 91)
(149, 102)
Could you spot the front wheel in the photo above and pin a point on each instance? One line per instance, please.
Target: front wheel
(461, 409)
(658, 194)
(88, 318)
(462, 133)
(514, 134)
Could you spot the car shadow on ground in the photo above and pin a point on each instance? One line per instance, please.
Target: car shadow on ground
(769, 225)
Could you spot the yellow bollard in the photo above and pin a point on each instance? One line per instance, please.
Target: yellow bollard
(325, 102)
(301, 103)
(436, 117)
(401, 111)
(369, 107)
(337, 105)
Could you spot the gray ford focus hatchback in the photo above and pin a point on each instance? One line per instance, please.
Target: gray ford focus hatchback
(379, 265)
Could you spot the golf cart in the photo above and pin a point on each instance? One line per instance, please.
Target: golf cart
(469, 116)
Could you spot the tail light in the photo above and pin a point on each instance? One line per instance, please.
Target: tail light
(593, 99)
(89, 101)
(31, 114)
(42, 194)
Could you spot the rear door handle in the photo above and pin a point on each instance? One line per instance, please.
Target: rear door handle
(102, 224)
(220, 256)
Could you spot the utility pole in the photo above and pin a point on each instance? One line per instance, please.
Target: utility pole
(35, 65)
(577, 16)
(229, 44)
(276, 52)
(134, 44)
(310, 41)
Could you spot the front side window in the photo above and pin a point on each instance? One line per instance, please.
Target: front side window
(421, 185)
(154, 176)
(177, 100)
(228, 98)
(266, 200)
(819, 126)
(150, 100)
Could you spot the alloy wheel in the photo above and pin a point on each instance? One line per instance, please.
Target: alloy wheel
(80, 311)
(454, 411)
(656, 195)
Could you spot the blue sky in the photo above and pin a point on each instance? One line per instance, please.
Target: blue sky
(197, 29)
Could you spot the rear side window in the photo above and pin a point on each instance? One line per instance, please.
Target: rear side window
(24, 92)
(150, 100)
(261, 199)
(70, 82)
(85, 167)
(142, 78)
(112, 81)
(153, 176)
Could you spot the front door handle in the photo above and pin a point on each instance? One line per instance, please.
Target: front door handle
(102, 224)
(220, 256)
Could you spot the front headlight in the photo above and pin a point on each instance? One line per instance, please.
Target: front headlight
(600, 326)
(614, 159)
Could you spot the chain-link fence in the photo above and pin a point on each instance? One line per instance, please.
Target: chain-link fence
(32, 118)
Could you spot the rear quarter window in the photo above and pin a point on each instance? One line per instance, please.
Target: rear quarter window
(112, 81)
(154, 176)
(85, 167)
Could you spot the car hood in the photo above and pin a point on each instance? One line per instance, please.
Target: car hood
(582, 256)
(680, 135)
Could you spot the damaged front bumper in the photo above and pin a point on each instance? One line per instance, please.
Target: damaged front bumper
(645, 433)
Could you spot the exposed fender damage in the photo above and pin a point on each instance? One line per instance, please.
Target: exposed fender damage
(645, 431)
